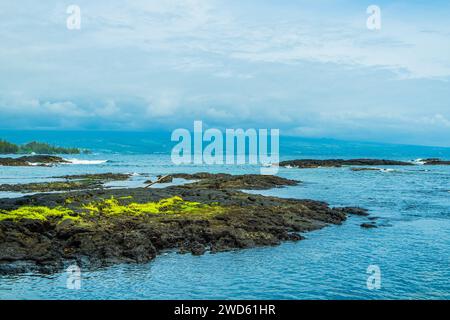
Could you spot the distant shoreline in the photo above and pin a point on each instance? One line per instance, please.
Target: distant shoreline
(35, 147)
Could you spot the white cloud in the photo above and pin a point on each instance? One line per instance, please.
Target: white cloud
(109, 109)
(142, 64)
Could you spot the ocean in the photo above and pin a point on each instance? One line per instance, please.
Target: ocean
(411, 245)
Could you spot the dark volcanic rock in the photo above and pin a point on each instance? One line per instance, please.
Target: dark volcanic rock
(12, 162)
(98, 176)
(160, 179)
(365, 169)
(353, 210)
(27, 160)
(196, 248)
(228, 181)
(51, 186)
(245, 221)
(75, 182)
(165, 179)
(368, 225)
(43, 159)
(311, 163)
(435, 161)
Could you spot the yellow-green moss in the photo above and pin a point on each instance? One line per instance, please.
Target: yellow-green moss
(38, 213)
(112, 207)
(173, 205)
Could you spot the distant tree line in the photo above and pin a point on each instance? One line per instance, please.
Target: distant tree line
(36, 147)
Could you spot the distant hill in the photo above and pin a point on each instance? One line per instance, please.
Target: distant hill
(35, 147)
(159, 142)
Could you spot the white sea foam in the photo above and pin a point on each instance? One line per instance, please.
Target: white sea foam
(37, 164)
(388, 170)
(418, 161)
(79, 161)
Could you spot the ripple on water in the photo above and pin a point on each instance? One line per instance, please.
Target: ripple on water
(413, 253)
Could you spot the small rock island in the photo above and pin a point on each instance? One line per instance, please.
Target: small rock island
(100, 227)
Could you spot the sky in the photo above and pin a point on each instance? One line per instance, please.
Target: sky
(308, 68)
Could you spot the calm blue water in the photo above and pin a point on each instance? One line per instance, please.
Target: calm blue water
(411, 245)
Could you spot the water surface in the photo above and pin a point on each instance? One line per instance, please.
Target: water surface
(411, 245)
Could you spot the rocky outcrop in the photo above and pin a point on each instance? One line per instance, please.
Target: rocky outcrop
(354, 211)
(32, 160)
(312, 163)
(228, 181)
(73, 182)
(98, 176)
(104, 227)
(435, 162)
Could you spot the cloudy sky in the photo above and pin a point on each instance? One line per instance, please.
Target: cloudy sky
(310, 68)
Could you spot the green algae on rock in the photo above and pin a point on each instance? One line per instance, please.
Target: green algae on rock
(111, 207)
(173, 205)
(38, 213)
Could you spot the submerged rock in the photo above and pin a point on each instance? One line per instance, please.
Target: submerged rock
(365, 169)
(353, 210)
(368, 225)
